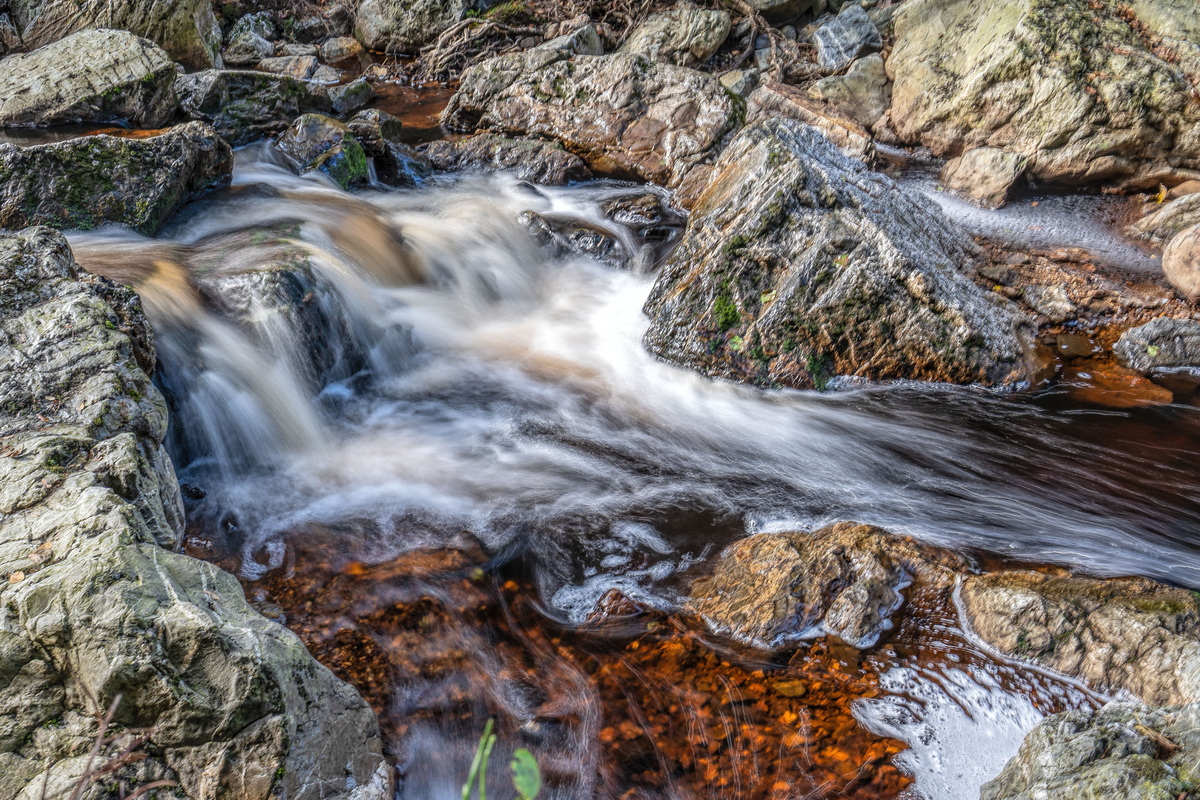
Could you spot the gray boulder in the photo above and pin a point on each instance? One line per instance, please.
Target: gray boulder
(625, 115)
(846, 37)
(769, 589)
(317, 143)
(582, 42)
(685, 35)
(1131, 634)
(98, 604)
(350, 97)
(1165, 350)
(340, 48)
(799, 264)
(91, 76)
(84, 182)
(1073, 87)
(247, 50)
(298, 67)
(186, 29)
(532, 160)
(404, 26)
(243, 105)
(1121, 750)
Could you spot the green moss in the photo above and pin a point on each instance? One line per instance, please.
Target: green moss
(726, 312)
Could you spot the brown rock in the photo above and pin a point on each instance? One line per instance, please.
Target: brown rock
(1181, 262)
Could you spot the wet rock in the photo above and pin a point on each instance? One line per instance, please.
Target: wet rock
(98, 603)
(318, 143)
(186, 29)
(340, 48)
(298, 67)
(352, 96)
(799, 264)
(1052, 302)
(1100, 382)
(861, 94)
(247, 49)
(771, 100)
(625, 115)
(1074, 345)
(1074, 87)
(373, 128)
(396, 163)
(1166, 350)
(1181, 262)
(984, 175)
(84, 182)
(403, 26)
(686, 35)
(1121, 750)
(532, 160)
(1170, 219)
(1131, 634)
(770, 589)
(848, 36)
(244, 105)
(91, 76)
(583, 42)
(260, 23)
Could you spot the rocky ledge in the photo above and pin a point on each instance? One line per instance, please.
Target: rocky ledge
(101, 612)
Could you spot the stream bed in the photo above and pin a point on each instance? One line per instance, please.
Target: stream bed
(440, 453)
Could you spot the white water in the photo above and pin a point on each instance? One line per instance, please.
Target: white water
(468, 381)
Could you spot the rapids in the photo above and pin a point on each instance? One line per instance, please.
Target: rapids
(395, 368)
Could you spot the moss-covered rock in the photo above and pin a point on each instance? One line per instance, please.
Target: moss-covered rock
(85, 182)
(317, 143)
(799, 264)
(243, 105)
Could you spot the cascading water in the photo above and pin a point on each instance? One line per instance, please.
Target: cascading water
(394, 368)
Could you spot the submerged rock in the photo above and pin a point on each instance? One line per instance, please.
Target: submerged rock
(1121, 750)
(799, 264)
(91, 76)
(685, 35)
(1079, 89)
(186, 29)
(98, 604)
(243, 105)
(316, 143)
(771, 588)
(403, 26)
(1131, 634)
(82, 183)
(529, 159)
(625, 115)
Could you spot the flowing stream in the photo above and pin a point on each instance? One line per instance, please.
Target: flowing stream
(393, 369)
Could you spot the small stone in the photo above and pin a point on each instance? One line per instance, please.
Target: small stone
(1052, 302)
(740, 81)
(340, 48)
(325, 74)
(582, 42)
(998, 273)
(294, 49)
(247, 49)
(350, 97)
(849, 35)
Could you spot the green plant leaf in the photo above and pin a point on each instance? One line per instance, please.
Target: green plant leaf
(479, 764)
(527, 777)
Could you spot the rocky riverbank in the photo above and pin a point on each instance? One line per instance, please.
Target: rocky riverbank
(788, 254)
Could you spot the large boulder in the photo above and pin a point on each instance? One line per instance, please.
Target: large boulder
(529, 159)
(84, 182)
(624, 114)
(186, 29)
(91, 76)
(404, 26)
(861, 94)
(1181, 262)
(1161, 225)
(984, 175)
(685, 35)
(97, 603)
(243, 105)
(1131, 634)
(772, 588)
(1080, 89)
(1121, 750)
(799, 264)
(317, 143)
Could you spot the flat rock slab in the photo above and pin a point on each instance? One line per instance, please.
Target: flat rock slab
(91, 76)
